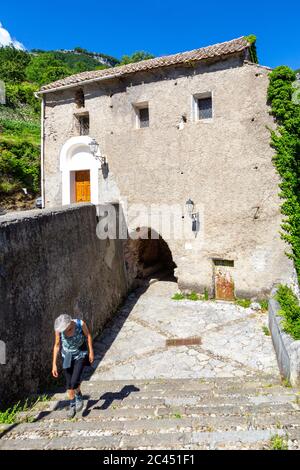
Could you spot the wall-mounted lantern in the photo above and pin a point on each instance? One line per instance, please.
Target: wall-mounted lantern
(194, 215)
(190, 207)
(94, 147)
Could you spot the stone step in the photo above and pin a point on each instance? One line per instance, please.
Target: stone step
(87, 428)
(213, 413)
(211, 440)
(182, 384)
(118, 395)
(203, 399)
(136, 413)
(131, 393)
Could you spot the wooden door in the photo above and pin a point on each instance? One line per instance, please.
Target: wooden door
(83, 186)
(224, 284)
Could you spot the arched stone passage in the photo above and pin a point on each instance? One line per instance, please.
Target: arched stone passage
(146, 254)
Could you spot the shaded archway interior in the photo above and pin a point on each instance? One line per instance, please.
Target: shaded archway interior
(148, 254)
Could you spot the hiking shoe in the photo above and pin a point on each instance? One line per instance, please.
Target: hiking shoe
(78, 402)
(71, 410)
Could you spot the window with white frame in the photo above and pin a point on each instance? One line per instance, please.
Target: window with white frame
(142, 115)
(202, 106)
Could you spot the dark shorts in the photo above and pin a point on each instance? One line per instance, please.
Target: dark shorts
(73, 374)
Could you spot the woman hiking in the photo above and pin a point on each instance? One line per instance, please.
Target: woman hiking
(71, 335)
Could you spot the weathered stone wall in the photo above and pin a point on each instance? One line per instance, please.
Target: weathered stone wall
(51, 262)
(224, 165)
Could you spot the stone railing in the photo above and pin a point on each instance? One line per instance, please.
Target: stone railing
(287, 349)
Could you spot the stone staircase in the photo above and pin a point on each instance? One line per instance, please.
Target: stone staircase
(223, 413)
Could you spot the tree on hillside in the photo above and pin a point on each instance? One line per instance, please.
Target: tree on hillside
(136, 57)
(44, 69)
(12, 64)
(81, 50)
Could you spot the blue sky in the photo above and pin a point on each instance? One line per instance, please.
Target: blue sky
(160, 27)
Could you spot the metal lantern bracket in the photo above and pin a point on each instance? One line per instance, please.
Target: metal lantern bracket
(94, 147)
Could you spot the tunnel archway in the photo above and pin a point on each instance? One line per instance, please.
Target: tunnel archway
(147, 254)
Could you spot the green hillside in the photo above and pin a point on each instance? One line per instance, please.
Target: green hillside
(23, 73)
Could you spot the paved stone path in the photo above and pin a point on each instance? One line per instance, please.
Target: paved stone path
(225, 393)
(233, 342)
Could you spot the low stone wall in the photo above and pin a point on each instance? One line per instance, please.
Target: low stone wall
(287, 349)
(51, 262)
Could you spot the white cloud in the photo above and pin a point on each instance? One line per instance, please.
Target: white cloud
(7, 40)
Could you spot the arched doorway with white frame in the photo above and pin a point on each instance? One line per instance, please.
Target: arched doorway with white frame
(79, 171)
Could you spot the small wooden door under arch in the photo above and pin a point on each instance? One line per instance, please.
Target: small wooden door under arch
(83, 186)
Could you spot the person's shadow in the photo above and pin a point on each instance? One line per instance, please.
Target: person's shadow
(109, 398)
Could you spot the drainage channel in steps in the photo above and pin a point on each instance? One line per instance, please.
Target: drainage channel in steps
(194, 340)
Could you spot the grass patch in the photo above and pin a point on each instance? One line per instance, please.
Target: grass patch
(14, 131)
(191, 296)
(178, 296)
(264, 305)
(177, 415)
(266, 330)
(245, 303)
(10, 415)
(278, 443)
(286, 383)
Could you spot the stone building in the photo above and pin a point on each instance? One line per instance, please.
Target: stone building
(186, 128)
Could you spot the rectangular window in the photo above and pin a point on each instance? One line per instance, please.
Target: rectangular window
(223, 262)
(83, 124)
(142, 115)
(203, 106)
(79, 98)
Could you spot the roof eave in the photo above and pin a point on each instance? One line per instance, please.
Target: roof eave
(114, 76)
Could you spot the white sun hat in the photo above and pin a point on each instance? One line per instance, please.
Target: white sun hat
(62, 322)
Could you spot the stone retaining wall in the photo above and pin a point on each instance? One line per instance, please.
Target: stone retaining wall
(287, 349)
(51, 262)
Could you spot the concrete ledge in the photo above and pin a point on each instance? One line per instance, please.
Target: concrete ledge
(287, 349)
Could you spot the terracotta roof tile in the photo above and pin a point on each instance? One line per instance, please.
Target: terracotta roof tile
(217, 50)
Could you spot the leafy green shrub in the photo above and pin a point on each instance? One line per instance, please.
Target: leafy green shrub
(252, 50)
(19, 155)
(12, 64)
(290, 311)
(136, 57)
(18, 94)
(44, 68)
